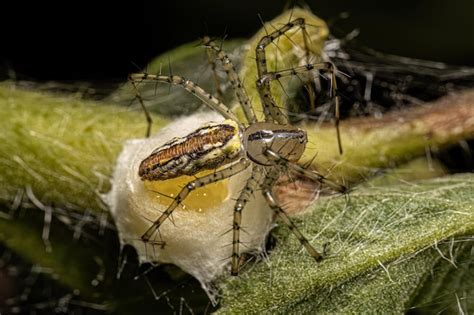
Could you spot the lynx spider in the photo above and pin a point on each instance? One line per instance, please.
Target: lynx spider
(268, 147)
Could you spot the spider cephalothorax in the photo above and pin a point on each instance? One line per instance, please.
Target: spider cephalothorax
(268, 147)
(288, 141)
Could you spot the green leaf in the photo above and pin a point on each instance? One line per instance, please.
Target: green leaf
(380, 242)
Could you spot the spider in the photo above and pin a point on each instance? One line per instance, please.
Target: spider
(268, 147)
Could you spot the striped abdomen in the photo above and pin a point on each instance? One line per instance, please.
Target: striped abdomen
(206, 148)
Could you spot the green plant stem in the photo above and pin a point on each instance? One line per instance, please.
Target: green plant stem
(370, 143)
(64, 148)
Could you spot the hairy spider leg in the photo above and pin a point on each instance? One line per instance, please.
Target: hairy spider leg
(252, 184)
(149, 120)
(270, 109)
(233, 78)
(189, 86)
(267, 193)
(211, 59)
(309, 85)
(227, 172)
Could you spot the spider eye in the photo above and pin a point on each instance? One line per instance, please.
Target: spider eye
(260, 135)
(264, 134)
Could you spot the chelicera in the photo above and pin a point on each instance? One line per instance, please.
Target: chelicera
(268, 147)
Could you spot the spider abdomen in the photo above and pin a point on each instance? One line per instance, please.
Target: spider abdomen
(288, 141)
(208, 147)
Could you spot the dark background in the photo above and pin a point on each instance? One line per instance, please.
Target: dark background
(98, 41)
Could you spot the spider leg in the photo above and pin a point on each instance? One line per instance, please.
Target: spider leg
(267, 193)
(314, 175)
(310, 87)
(211, 59)
(197, 183)
(233, 78)
(270, 109)
(250, 187)
(189, 86)
(325, 66)
(149, 121)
